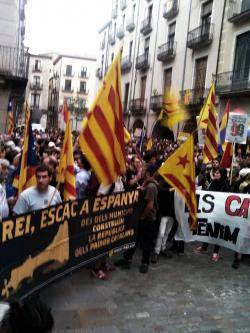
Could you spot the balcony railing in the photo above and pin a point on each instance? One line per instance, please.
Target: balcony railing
(166, 51)
(36, 86)
(171, 10)
(120, 32)
(201, 36)
(112, 38)
(156, 103)
(67, 90)
(82, 92)
(83, 75)
(123, 4)
(37, 69)
(142, 62)
(194, 96)
(146, 25)
(69, 74)
(239, 11)
(102, 45)
(126, 64)
(14, 62)
(233, 82)
(114, 13)
(138, 106)
(99, 74)
(130, 24)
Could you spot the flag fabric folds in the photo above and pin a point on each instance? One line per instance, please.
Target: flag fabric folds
(25, 174)
(179, 171)
(127, 136)
(140, 142)
(227, 157)
(172, 112)
(223, 128)
(210, 150)
(203, 117)
(150, 143)
(10, 119)
(102, 136)
(66, 170)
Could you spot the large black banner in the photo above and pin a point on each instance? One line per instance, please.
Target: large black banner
(41, 246)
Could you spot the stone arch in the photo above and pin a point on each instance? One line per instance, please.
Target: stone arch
(138, 123)
(161, 132)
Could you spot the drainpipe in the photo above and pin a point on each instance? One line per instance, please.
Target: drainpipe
(185, 57)
(221, 28)
(153, 67)
(134, 70)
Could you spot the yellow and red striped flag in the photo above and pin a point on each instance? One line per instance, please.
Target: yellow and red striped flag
(102, 137)
(24, 176)
(172, 112)
(179, 171)
(203, 117)
(210, 150)
(149, 143)
(66, 170)
(10, 119)
(127, 136)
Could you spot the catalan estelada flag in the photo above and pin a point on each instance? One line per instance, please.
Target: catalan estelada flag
(127, 136)
(203, 117)
(10, 128)
(66, 170)
(210, 150)
(102, 137)
(172, 112)
(179, 171)
(25, 174)
(223, 128)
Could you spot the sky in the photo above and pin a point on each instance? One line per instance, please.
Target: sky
(65, 26)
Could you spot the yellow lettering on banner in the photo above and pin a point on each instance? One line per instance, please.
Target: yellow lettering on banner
(124, 199)
(103, 203)
(96, 204)
(27, 228)
(73, 208)
(8, 227)
(85, 208)
(44, 219)
(136, 196)
(117, 201)
(20, 226)
(51, 214)
(59, 218)
(66, 212)
(131, 197)
(111, 200)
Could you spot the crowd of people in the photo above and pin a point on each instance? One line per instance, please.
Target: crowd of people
(157, 224)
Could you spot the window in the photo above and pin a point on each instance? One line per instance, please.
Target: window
(146, 47)
(67, 85)
(83, 87)
(167, 78)
(123, 21)
(242, 58)
(206, 12)
(84, 72)
(34, 102)
(130, 49)
(36, 80)
(171, 33)
(68, 70)
(37, 66)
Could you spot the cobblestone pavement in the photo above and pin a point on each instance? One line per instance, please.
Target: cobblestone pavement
(188, 293)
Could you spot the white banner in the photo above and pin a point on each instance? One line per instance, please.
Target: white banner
(237, 128)
(223, 219)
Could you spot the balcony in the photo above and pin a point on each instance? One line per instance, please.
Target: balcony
(194, 97)
(14, 62)
(233, 82)
(170, 11)
(130, 24)
(123, 4)
(120, 32)
(201, 36)
(138, 106)
(67, 90)
(69, 74)
(83, 75)
(126, 64)
(82, 92)
(142, 62)
(156, 103)
(146, 26)
(114, 13)
(166, 52)
(99, 74)
(36, 86)
(112, 38)
(239, 12)
(37, 69)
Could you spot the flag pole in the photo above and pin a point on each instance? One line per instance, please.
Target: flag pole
(231, 170)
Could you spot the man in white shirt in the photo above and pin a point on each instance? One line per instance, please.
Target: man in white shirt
(40, 196)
